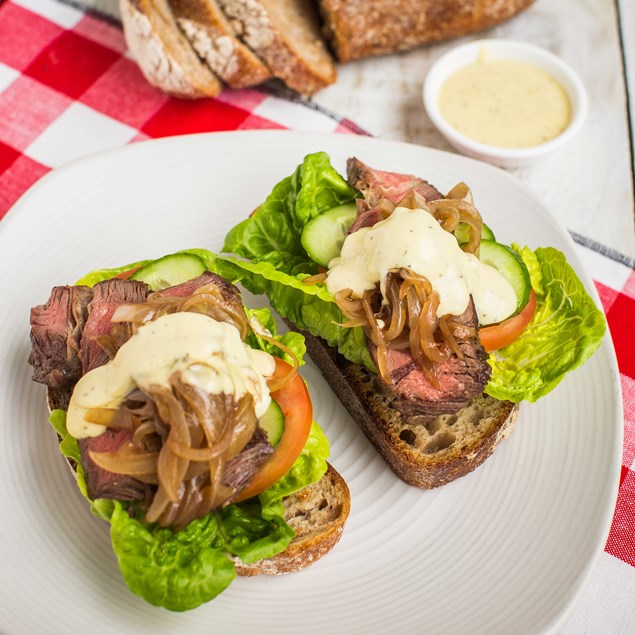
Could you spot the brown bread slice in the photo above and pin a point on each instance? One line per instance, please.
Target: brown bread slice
(163, 53)
(286, 35)
(213, 38)
(422, 453)
(361, 28)
(317, 514)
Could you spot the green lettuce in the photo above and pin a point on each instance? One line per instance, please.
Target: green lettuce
(272, 233)
(180, 570)
(565, 331)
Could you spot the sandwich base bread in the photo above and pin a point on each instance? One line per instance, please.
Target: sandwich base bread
(317, 514)
(423, 453)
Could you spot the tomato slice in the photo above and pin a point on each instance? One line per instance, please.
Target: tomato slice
(296, 406)
(499, 335)
(124, 275)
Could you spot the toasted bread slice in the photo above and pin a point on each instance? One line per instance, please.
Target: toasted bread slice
(163, 53)
(212, 37)
(285, 34)
(422, 453)
(317, 514)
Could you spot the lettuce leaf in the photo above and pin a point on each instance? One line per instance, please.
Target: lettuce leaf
(272, 233)
(565, 331)
(176, 569)
(182, 569)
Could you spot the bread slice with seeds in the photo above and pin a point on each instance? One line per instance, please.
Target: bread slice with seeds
(422, 453)
(317, 514)
(286, 35)
(163, 53)
(212, 37)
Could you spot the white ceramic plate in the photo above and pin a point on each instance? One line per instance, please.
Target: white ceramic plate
(505, 549)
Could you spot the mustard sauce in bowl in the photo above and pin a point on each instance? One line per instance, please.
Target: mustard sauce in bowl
(504, 101)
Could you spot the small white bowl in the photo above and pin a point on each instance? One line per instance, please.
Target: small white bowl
(468, 53)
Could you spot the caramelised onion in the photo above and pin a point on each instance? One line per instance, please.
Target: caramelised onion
(406, 317)
(182, 437)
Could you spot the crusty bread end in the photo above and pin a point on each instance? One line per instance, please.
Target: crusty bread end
(424, 454)
(162, 52)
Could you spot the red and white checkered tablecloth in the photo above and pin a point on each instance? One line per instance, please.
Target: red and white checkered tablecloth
(68, 88)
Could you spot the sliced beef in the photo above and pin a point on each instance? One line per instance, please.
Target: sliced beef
(240, 470)
(229, 292)
(459, 379)
(101, 483)
(107, 296)
(375, 184)
(56, 329)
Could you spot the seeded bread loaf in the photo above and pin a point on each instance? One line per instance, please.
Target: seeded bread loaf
(213, 39)
(164, 55)
(363, 28)
(422, 453)
(286, 35)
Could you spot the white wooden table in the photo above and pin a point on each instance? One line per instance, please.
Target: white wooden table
(589, 183)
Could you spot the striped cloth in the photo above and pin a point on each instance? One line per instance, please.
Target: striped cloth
(68, 89)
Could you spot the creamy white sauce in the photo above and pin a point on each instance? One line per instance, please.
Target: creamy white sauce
(208, 354)
(505, 103)
(414, 239)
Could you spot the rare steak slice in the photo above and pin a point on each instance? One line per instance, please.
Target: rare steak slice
(227, 290)
(241, 469)
(56, 329)
(459, 378)
(101, 483)
(376, 184)
(107, 296)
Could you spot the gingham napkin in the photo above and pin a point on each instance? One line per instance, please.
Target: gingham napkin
(68, 89)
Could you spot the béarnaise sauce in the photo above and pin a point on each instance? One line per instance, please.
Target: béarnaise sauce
(208, 354)
(505, 103)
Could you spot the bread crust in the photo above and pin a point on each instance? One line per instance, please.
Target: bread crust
(317, 514)
(213, 39)
(363, 28)
(424, 454)
(162, 52)
(306, 68)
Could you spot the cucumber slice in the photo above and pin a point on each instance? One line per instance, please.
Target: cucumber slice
(462, 233)
(170, 270)
(322, 237)
(511, 267)
(272, 422)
